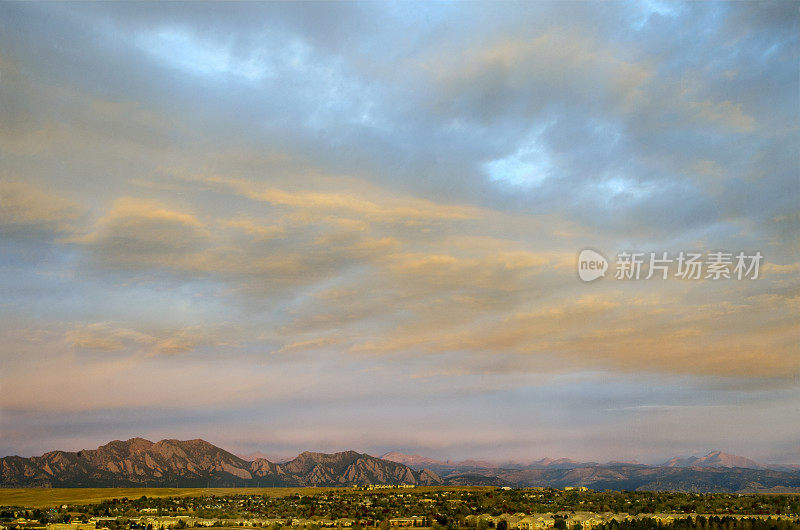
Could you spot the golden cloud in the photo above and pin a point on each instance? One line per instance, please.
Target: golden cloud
(106, 337)
(26, 206)
(444, 291)
(358, 205)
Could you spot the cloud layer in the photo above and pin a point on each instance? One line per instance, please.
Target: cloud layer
(278, 225)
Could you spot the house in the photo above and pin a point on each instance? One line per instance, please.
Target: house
(664, 519)
(71, 526)
(537, 522)
(100, 522)
(585, 520)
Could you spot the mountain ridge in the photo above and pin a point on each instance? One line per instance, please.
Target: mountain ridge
(197, 463)
(712, 459)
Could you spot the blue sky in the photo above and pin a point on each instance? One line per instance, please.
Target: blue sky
(327, 226)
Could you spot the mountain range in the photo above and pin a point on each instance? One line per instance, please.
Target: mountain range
(417, 461)
(714, 472)
(196, 463)
(711, 460)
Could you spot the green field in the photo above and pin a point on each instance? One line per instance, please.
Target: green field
(50, 497)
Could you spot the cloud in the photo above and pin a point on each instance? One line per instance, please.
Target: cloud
(311, 344)
(27, 209)
(101, 337)
(470, 295)
(382, 210)
(524, 77)
(618, 332)
(256, 228)
(725, 113)
(136, 233)
(307, 204)
(106, 337)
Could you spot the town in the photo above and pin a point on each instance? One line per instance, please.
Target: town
(436, 508)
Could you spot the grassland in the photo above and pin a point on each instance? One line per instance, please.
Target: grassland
(51, 497)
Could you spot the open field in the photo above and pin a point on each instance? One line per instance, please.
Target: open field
(49, 497)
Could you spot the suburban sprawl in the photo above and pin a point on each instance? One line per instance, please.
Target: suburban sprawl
(383, 508)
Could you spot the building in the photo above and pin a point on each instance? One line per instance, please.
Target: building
(71, 526)
(536, 522)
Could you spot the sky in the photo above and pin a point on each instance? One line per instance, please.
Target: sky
(355, 225)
